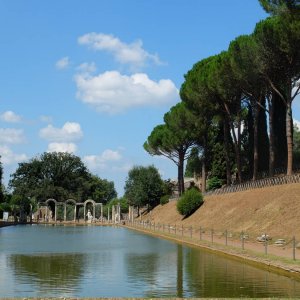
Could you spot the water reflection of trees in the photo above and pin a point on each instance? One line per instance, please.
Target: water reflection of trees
(59, 271)
(209, 275)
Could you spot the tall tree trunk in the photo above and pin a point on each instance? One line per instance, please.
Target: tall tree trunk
(236, 139)
(289, 138)
(180, 173)
(203, 179)
(279, 131)
(227, 151)
(271, 137)
(263, 139)
(255, 141)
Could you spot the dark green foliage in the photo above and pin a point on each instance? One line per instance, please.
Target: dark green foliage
(296, 141)
(175, 138)
(143, 186)
(164, 199)
(116, 201)
(194, 163)
(60, 176)
(280, 7)
(216, 158)
(189, 202)
(214, 183)
(168, 187)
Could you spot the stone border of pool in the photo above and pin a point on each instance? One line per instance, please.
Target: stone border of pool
(277, 265)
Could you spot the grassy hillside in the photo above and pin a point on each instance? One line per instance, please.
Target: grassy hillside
(274, 210)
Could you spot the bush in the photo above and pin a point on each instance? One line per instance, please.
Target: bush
(190, 201)
(214, 183)
(164, 199)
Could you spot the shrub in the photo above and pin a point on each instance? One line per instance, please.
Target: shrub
(164, 199)
(189, 202)
(214, 183)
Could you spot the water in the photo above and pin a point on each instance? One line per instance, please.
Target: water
(91, 261)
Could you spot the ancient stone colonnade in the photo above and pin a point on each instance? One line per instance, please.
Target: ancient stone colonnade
(87, 214)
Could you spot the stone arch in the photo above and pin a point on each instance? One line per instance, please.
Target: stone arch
(47, 207)
(84, 208)
(65, 208)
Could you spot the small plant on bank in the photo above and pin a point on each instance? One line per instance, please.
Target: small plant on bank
(189, 202)
(164, 199)
(214, 183)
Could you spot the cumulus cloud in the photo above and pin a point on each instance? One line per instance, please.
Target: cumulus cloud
(63, 63)
(297, 123)
(11, 136)
(62, 147)
(10, 117)
(113, 92)
(8, 157)
(99, 162)
(70, 132)
(124, 53)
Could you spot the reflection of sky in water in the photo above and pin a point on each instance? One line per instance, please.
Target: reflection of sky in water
(56, 261)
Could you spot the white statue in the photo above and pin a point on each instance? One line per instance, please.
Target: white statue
(89, 216)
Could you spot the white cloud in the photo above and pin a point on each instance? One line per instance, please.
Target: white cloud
(132, 54)
(11, 136)
(99, 162)
(8, 157)
(62, 147)
(113, 92)
(10, 116)
(63, 63)
(70, 132)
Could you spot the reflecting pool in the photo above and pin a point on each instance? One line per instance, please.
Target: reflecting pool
(95, 261)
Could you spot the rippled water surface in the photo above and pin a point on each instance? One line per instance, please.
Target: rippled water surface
(91, 261)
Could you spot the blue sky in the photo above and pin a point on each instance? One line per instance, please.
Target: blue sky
(94, 77)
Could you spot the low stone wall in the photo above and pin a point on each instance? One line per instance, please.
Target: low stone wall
(4, 224)
(261, 183)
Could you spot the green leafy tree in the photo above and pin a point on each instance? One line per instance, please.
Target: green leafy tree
(123, 202)
(194, 163)
(280, 7)
(278, 39)
(101, 190)
(296, 142)
(243, 58)
(207, 104)
(143, 186)
(189, 202)
(60, 176)
(175, 138)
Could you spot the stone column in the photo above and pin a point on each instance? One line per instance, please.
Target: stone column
(65, 212)
(94, 211)
(108, 214)
(55, 212)
(101, 207)
(119, 212)
(75, 206)
(113, 214)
